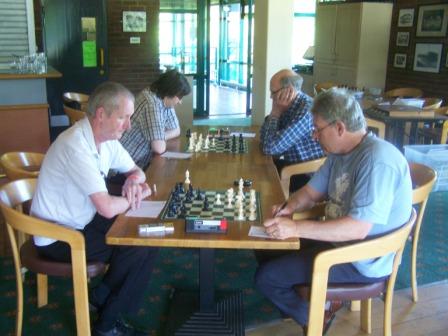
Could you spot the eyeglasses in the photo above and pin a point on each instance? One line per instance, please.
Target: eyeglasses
(317, 131)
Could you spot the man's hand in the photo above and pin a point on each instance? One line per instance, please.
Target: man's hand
(281, 228)
(135, 192)
(282, 100)
(281, 210)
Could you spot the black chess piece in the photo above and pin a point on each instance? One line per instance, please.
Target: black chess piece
(199, 195)
(206, 206)
(227, 144)
(188, 134)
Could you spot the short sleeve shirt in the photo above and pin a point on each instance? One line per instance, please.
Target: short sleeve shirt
(73, 169)
(148, 123)
(371, 183)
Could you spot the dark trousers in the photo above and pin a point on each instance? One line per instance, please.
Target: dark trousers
(276, 279)
(126, 279)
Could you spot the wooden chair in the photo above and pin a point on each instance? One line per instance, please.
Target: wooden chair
(378, 127)
(306, 167)
(423, 179)
(435, 134)
(18, 165)
(319, 87)
(321, 291)
(73, 114)
(432, 103)
(76, 100)
(404, 93)
(12, 196)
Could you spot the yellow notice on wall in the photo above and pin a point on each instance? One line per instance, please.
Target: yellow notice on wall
(89, 54)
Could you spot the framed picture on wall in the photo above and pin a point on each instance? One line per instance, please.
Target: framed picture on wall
(403, 39)
(400, 60)
(134, 21)
(406, 17)
(427, 57)
(432, 20)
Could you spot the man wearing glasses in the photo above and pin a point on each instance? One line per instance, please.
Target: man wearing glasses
(367, 186)
(285, 134)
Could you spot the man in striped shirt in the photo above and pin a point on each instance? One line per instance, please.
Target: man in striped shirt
(286, 132)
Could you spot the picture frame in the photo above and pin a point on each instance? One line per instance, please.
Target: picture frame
(427, 57)
(134, 21)
(403, 39)
(406, 17)
(400, 61)
(432, 20)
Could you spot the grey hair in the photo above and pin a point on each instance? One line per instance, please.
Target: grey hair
(296, 81)
(337, 104)
(108, 95)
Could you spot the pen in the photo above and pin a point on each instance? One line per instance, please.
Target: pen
(281, 208)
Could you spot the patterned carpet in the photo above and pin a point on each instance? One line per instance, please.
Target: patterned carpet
(177, 268)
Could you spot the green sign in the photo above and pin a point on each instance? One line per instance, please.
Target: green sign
(89, 54)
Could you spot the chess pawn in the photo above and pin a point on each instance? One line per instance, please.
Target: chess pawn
(213, 142)
(218, 199)
(207, 143)
(187, 179)
(238, 201)
(198, 147)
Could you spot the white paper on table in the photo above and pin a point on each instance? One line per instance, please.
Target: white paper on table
(176, 155)
(149, 209)
(415, 102)
(258, 231)
(245, 134)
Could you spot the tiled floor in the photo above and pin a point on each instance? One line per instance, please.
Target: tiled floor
(227, 102)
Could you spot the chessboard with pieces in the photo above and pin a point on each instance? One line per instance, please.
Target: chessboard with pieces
(187, 202)
(217, 143)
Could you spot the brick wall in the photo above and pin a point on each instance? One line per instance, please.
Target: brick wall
(432, 84)
(134, 65)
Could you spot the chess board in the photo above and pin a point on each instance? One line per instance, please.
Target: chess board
(195, 207)
(220, 146)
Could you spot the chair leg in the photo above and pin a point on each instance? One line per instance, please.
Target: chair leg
(42, 290)
(414, 270)
(355, 305)
(366, 315)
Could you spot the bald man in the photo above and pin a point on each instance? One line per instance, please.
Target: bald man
(286, 132)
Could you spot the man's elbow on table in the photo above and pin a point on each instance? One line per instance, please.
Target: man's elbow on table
(158, 146)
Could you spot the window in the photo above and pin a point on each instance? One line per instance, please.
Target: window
(303, 30)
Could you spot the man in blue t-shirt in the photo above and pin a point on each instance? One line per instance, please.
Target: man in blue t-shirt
(368, 189)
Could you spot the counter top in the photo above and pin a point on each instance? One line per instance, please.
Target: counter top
(13, 74)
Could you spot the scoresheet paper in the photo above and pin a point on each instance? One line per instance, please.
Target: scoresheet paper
(258, 231)
(148, 209)
(176, 155)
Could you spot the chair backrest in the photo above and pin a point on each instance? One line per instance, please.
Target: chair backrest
(378, 126)
(18, 165)
(392, 242)
(432, 103)
(12, 196)
(319, 87)
(444, 136)
(404, 93)
(76, 100)
(73, 114)
(306, 167)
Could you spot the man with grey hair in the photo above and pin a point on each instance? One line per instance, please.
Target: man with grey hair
(71, 191)
(286, 132)
(367, 186)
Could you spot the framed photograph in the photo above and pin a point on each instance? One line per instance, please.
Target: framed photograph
(427, 57)
(406, 17)
(400, 61)
(403, 39)
(432, 20)
(134, 22)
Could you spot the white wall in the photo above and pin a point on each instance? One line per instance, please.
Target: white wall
(273, 27)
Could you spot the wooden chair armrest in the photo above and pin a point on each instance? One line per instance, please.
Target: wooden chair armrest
(315, 212)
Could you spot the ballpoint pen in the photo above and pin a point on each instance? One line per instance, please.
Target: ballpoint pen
(281, 208)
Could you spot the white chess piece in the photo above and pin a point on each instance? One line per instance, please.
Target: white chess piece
(207, 143)
(198, 147)
(241, 213)
(238, 201)
(252, 215)
(229, 194)
(187, 177)
(213, 142)
(218, 199)
(191, 144)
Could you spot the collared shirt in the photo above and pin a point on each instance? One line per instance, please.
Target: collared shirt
(148, 123)
(73, 169)
(290, 135)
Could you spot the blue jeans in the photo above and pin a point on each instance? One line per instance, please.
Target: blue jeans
(276, 278)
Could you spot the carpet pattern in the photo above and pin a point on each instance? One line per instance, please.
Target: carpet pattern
(178, 268)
